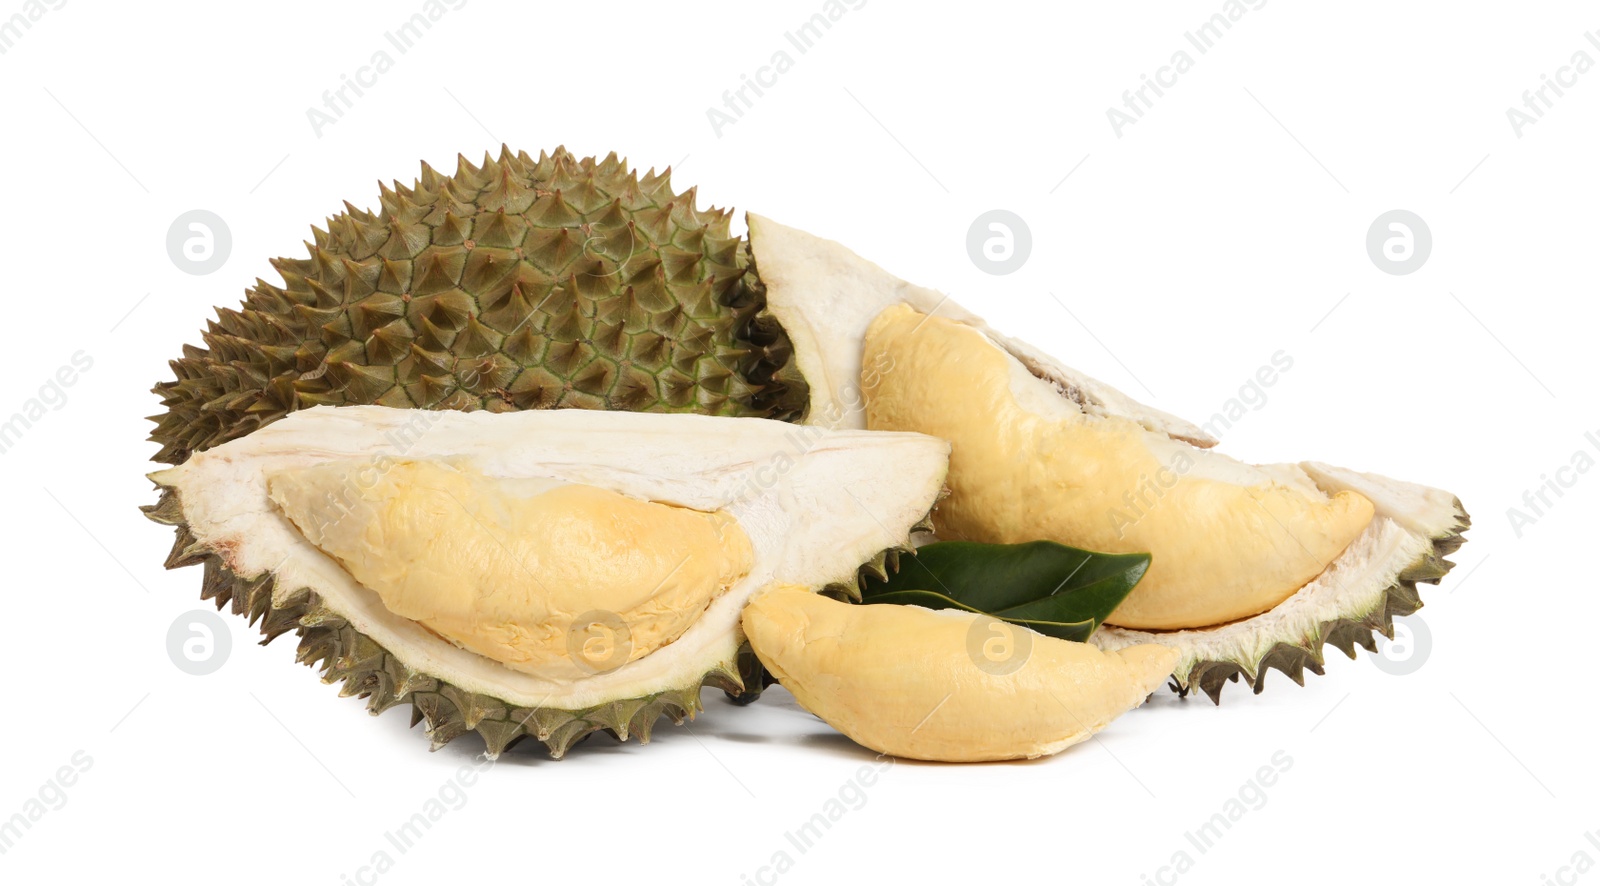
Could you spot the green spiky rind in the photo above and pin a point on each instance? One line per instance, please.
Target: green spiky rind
(881, 564)
(514, 284)
(367, 670)
(1345, 633)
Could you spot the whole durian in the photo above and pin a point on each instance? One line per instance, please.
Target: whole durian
(515, 284)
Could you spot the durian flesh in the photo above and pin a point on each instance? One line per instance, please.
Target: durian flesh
(1227, 540)
(919, 683)
(738, 503)
(548, 578)
(1254, 567)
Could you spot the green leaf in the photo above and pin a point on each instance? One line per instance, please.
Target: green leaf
(1054, 589)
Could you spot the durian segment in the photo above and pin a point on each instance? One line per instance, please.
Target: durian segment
(825, 296)
(553, 579)
(1227, 540)
(815, 505)
(907, 681)
(1373, 581)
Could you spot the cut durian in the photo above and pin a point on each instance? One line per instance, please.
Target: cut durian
(1254, 567)
(517, 283)
(945, 685)
(469, 563)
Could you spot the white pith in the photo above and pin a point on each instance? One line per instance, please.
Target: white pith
(815, 504)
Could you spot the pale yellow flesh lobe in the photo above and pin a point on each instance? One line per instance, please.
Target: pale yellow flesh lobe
(547, 578)
(1221, 549)
(906, 681)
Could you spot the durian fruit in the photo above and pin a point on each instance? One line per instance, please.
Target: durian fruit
(1254, 567)
(1228, 540)
(545, 573)
(514, 284)
(945, 685)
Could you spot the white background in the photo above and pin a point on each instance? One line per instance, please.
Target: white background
(1227, 224)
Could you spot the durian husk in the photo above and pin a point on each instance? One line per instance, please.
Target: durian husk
(365, 669)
